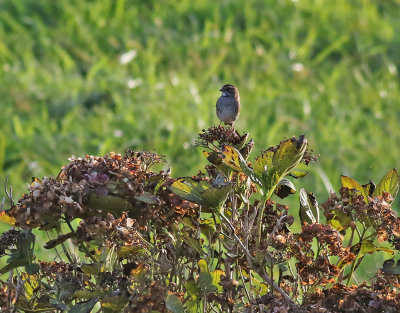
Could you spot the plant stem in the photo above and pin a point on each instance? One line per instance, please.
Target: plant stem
(259, 270)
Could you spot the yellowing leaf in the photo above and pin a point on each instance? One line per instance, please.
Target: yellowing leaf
(231, 158)
(389, 183)
(7, 219)
(216, 275)
(351, 183)
(203, 265)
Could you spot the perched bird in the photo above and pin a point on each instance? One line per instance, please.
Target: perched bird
(228, 104)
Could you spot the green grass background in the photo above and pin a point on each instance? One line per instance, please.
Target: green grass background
(327, 69)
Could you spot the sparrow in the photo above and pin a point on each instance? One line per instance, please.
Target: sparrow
(228, 104)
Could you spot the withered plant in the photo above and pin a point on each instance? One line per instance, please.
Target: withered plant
(126, 237)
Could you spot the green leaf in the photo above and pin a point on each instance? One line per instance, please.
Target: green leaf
(64, 290)
(300, 171)
(205, 282)
(188, 189)
(23, 254)
(91, 269)
(368, 247)
(232, 155)
(215, 158)
(309, 211)
(173, 304)
(84, 307)
(191, 288)
(201, 192)
(126, 251)
(111, 204)
(193, 243)
(114, 304)
(288, 154)
(340, 221)
(389, 267)
(32, 268)
(389, 183)
(263, 162)
(149, 198)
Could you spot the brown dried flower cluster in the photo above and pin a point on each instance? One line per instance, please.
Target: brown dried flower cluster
(219, 136)
(94, 186)
(109, 229)
(377, 213)
(317, 269)
(8, 240)
(362, 298)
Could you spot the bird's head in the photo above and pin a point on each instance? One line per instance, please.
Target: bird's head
(229, 90)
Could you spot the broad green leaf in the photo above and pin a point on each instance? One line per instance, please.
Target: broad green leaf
(215, 196)
(288, 154)
(340, 221)
(32, 268)
(285, 188)
(87, 294)
(84, 307)
(125, 251)
(30, 284)
(263, 162)
(64, 290)
(215, 158)
(113, 304)
(91, 269)
(111, 204)
(193, 243)
(23, 254)
(41, 305)
(200, 192)
(109, 259)
(368, 247)
(205, 282)
(187, 189)
(309, 211)
(191, 288)
(148, 198)
(241, 164)
(300, 171)
(389, 183)
(173, 304)
(389, 267)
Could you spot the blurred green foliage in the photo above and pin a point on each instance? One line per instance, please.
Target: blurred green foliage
(89, 77)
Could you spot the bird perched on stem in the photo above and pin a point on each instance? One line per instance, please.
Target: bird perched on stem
(228, 104)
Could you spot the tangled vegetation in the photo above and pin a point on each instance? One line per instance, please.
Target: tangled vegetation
(129, 238)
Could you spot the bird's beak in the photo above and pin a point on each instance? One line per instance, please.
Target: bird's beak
(220, 90)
